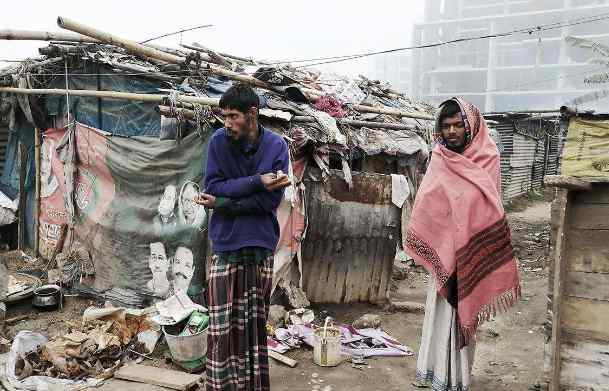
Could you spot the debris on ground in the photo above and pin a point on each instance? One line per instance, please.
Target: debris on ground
(406, 306)
(368, 321)
(282, 359)
(103, 342)
(363, 342)
(175, 380)
(5, 345)
(301, 316)
(277, 316)
(358, 362)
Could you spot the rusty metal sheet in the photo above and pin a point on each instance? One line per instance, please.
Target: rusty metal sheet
(370, 189)
(351, 239)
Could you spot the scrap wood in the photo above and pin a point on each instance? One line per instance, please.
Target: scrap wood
(407, 306)
(16, 319)
(282, 359)
(567, 182)
(157, 376)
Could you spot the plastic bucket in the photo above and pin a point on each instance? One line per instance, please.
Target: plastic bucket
(188, 347)
(326, 350)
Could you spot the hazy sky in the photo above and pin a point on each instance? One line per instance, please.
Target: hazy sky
(272, 29)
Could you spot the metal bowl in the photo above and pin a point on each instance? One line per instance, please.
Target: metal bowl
(47, 297)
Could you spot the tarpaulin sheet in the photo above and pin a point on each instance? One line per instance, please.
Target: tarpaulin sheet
(134, 209)
(586, 151)
(21, 131)
(119, 117)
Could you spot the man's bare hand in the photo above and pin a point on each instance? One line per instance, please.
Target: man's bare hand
(207, 200)
(274, 182)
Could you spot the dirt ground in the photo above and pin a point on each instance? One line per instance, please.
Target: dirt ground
(509, 352)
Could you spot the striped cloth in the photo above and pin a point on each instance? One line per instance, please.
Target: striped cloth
(238, 301)
(246, 255)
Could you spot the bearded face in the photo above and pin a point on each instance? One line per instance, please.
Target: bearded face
(183, 268)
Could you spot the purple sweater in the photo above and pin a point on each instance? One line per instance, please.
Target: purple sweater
(230, 174)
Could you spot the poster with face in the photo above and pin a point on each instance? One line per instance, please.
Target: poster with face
(190, 213)
(182, 269)
(159, 266)
(48, 180)
(167, 204)
(127, 210)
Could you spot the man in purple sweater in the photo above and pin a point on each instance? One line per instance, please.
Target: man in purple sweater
(244, 184)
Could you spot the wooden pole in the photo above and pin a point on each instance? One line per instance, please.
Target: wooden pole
(564, 203)
(111, 39)
(111, 95)
(150, 52)
(567, 182)
(28, 35)
(389, 111)
(37, 145)
(189, 114)
(209, 55)
(182, 98)
(229, 56)
(22, 206)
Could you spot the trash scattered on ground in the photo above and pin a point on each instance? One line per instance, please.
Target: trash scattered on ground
(5, 345)
(21, 286)
(94, 349)
(168, 378)
(16, 319)
(175, 309)
(282, 359)
(368, 321)
(358, 362)
(492, 333)
(277, 316)
(406, 306)
(363, 342)
(301, 316)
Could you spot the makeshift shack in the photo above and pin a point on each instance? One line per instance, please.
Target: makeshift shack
(578, 337)
(529, 144)
(115, 134)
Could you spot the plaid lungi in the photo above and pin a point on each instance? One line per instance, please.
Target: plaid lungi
(238, 301)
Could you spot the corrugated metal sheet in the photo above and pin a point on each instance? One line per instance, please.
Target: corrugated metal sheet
(351, 239)
(528, 154)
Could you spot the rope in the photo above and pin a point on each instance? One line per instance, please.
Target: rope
(173, 102)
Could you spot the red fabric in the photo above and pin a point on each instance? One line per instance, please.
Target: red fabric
(459, 232)
(331, 105)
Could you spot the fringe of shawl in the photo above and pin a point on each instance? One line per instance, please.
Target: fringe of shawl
(499, 304)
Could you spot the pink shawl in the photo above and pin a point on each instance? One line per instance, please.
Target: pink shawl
(458, 229)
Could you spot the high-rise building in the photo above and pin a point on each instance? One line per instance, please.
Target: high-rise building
(534, 70)
(395, 68)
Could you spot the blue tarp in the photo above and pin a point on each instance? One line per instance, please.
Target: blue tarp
(118, 117)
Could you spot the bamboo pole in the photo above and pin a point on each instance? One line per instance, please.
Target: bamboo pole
(111, 95)
(359, 124)
(111, 39)
(389, 111)
(37, 144)
(209, 55)
(150, 52)
(189, 114)
(375, 125)
(180, 98)
(244, 60)
(22, 206)
(28, 35)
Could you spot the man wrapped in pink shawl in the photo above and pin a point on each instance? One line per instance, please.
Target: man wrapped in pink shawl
(459, 233)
